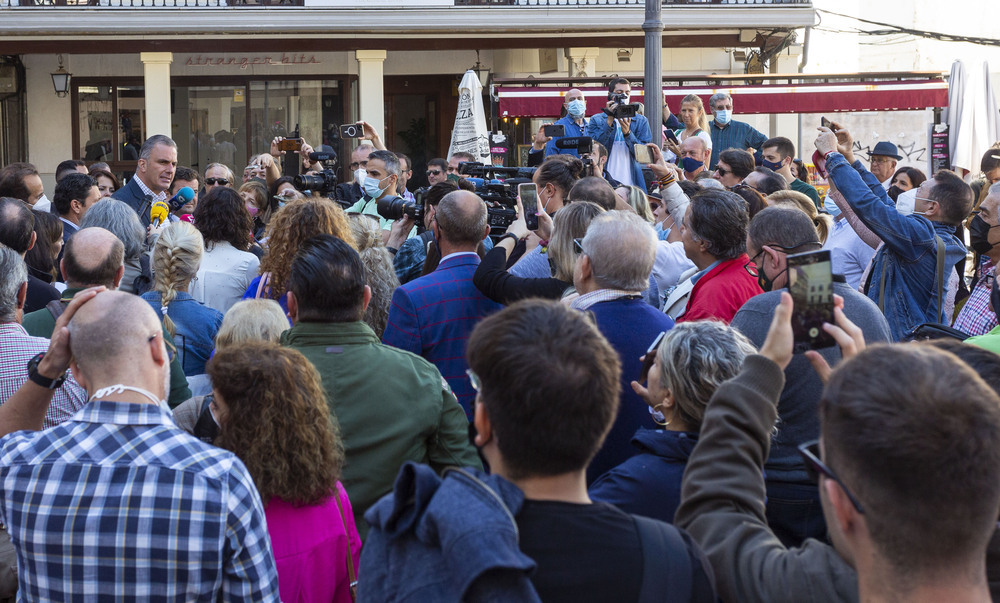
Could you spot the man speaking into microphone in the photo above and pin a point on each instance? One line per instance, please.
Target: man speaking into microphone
(153, 175)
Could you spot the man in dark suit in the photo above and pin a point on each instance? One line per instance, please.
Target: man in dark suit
(74, 195)
(434, 315)
(17, 231)
(153, 175)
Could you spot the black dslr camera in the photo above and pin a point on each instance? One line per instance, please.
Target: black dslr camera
(324, 183)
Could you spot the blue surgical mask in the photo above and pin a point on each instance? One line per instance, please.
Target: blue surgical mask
(723, 116)
(831, 207)
(576, 108)
(661, 233)
(371, 187)
(691, 164)
(771, 165)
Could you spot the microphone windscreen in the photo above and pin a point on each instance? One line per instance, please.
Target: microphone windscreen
(159, 212)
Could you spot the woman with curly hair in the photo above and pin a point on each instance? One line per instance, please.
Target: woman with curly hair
(271, 407)
(288, 229)
(379, 272)
(176, 256)
(228, 266)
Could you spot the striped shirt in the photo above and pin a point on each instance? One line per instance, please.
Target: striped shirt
(976, 317)
(16, 349)
(735, 135)
(118, 503)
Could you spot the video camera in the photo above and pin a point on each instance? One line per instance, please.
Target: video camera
(584, 146)
(394, 208)
(624, 109)
(500, 194)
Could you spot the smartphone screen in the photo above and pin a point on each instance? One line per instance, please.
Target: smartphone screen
(642, 154)
(650, 357)
(529, 201)
(823, 121)
(810, 281)
(554, 130)
(672, 137)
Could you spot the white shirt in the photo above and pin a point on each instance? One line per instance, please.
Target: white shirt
(849, 255)
(224, 276)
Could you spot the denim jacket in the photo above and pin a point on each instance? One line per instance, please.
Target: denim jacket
(445, 539)
(909, 256)
(195, 327)
(639, 133)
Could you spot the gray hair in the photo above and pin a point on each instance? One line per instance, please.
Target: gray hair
(717, 97)
(695, 358)
(622, 248)
(13, 274)
(720, 218)
(389, 159)
(152, 141)
(120, 219)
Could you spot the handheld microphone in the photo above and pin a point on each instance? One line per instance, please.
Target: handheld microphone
(158, 213)
(183, 196)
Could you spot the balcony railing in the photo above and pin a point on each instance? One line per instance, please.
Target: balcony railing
(145, 3)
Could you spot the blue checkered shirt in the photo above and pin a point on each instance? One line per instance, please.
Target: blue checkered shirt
(736, 135)
(118, 503)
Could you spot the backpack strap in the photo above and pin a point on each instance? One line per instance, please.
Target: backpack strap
(939, 276)
(265, 279)
(662, 542)
(351, 576)
(55, 308)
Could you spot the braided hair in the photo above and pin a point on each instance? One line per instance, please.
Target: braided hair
(176, 258)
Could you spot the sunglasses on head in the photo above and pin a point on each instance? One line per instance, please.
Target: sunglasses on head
(214, 181)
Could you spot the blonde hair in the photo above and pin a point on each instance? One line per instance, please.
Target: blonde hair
(176, 258)
(822, 222)
(380, 274)
(260, 320)
(702, 119)
(570, 222)
(636, 198)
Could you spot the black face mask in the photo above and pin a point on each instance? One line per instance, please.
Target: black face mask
(766, 283)
(894, 192)
(979, 235)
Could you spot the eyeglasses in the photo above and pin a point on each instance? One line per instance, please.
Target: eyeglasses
(751, 266)
(880, 160)
(356, 164)
(171, 349)
(474, 380)
(214, 181)
(433, 172)
(578, 245)
(723, 172)
(815, 467)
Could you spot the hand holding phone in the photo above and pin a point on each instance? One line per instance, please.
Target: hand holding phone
(352, 131)
(672, 137)
(642, 154)
(650, 357)
(554, 130)
(810, 282)
(528, 194)
(290, 144)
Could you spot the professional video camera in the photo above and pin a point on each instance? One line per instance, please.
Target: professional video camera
(623, 109)
(499, 194)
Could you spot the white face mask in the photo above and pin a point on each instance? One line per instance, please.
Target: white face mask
(906, 201)
(359, 175)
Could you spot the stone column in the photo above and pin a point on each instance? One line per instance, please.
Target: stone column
(371, 97)
(156, 69)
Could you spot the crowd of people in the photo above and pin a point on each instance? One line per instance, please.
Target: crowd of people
(266, 393)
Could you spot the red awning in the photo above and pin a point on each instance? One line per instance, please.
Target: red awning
(772, 98)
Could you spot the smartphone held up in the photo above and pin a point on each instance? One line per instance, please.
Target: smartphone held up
(810, 282)
(529, 201)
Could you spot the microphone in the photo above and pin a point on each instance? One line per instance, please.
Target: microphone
(158, 213)
(581, 144)
(183, 196)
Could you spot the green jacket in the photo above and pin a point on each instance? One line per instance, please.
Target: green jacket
(41, 323)
(392, 407)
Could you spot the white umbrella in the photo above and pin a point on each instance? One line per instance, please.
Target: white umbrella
(470, 134)
(973, 122)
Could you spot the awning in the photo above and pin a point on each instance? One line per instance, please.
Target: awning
(905, 95)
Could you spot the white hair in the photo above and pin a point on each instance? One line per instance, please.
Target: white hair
(622, 249)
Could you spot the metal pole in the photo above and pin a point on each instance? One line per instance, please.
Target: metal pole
(653, 83)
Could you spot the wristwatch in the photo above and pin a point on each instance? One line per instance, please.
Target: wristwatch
(38, 379)
(510, 235)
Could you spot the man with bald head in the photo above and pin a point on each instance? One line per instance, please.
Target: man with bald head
(94, 257)
(573, 120)
(197, 528)
(433, 316)
(694, 157)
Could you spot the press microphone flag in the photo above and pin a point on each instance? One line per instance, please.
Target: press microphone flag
(184, 196)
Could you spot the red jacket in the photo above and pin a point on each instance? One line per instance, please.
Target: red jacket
(720, 293)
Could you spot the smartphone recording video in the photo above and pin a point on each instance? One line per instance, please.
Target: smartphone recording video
(529, 201)
(810, 281)
(642, 154)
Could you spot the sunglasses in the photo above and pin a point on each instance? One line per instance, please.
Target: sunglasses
(474, 379)
(214, 181)
(723, 172)
(433, 172)
(815, 467)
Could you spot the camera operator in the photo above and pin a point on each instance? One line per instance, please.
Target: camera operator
(619, 135)
(573, 119)
(409, 255)
(378, 182)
